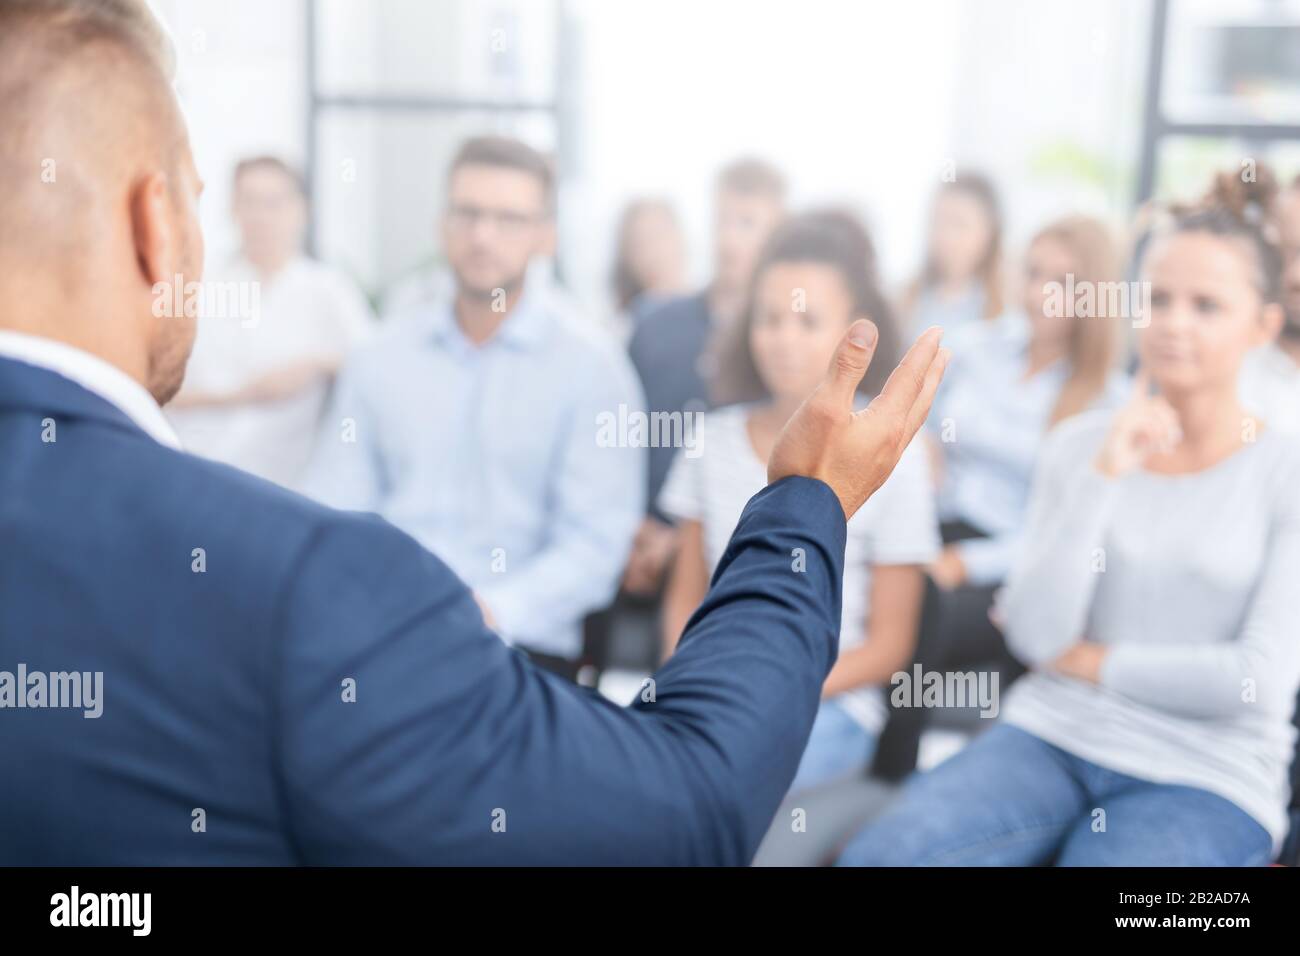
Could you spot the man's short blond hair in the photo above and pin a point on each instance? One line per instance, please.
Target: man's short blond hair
(69, 24)
(86, 89)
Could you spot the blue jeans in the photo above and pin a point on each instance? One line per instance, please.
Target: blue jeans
(838, 746)
(1012, 799)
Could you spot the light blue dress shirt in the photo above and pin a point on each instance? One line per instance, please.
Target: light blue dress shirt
(990, 422)
(490, 457)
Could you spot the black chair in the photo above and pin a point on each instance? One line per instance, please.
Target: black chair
(623, 636)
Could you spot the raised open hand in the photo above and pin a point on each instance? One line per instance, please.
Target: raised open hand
(854, 452)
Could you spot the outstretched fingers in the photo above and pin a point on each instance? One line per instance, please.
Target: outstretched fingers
(921, 407)
(907, 382)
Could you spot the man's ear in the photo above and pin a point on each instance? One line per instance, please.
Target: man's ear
(152, 230)
(1271, 320)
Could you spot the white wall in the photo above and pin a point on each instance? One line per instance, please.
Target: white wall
(854, 100)
(1050, 102)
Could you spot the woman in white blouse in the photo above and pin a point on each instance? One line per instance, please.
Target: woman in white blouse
(1154, 601)
(815, 277)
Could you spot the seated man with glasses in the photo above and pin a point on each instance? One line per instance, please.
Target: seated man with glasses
(471, 424)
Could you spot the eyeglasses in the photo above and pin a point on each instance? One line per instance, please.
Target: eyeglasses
(506, 221)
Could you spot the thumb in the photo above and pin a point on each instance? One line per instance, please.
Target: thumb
(852, 356)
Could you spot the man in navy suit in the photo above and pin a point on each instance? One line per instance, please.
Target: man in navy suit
(197, 667)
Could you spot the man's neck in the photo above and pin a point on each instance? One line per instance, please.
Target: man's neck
(480, 317)
(93, 339)
(270, 266)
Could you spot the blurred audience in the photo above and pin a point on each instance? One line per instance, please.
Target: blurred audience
(815, 277)
(960, 285)
(472, 424)
(260, 374)
(1131, 544)
(1154, 599)
(1000, 396)
(649, 260)
(674, 348)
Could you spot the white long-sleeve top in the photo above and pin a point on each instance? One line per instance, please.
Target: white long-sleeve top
(1193, 582)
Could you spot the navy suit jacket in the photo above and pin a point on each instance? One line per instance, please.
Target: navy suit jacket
(666, 349)
(224, 689)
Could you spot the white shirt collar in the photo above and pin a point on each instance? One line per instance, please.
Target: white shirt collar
(95, 375)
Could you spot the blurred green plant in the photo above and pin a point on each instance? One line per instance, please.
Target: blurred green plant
(1067, 160)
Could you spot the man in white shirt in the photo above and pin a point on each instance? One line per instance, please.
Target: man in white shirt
(1270, 378)
(262, 371)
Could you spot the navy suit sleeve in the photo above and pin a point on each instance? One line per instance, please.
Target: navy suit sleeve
(409, 733)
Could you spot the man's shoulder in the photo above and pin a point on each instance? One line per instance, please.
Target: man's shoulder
(585, 349)
(694, 305)
(198, 491)
(400, 335)
(137, 507)
(283, 542)
(582, 336)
